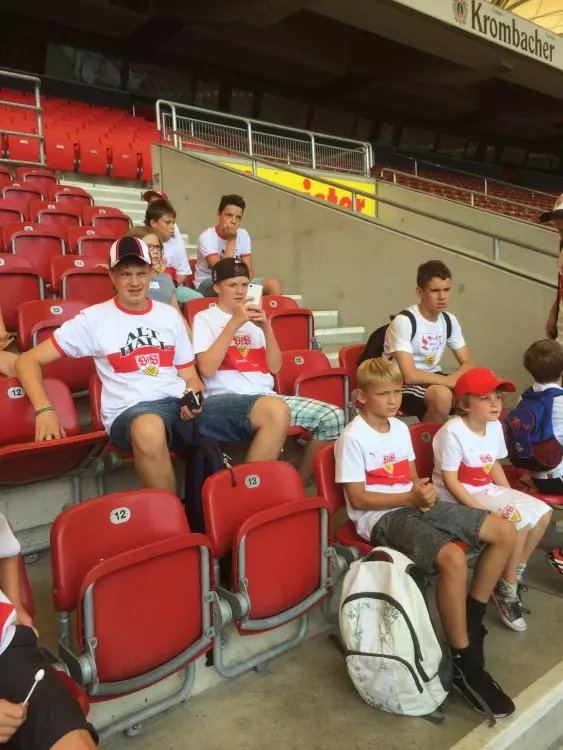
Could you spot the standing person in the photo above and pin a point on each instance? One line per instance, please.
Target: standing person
(392, 506)
(417, 339)
(7, 359)
(467, 450)
(144, 360)
(554, 325)
(160, 216)
(227, 240)
(237, 352)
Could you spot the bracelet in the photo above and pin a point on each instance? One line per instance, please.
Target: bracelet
(44, 409)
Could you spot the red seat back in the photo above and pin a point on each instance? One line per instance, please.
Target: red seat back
(55, 215)
(21, 195)
(194, 306)
(73, 199)
(293, 329)
(9, 212)
(296, 362)
(42, 179)
(90, 242)
(422, 434)
(95, 394)
(348, 357)
(277, 302)
(110, 220)
(37, 243)
(80, 278)
(325, 471)
(19, 282)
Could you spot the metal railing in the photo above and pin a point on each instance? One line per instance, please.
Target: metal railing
(279, 143)
(496, 238)
(29, 107)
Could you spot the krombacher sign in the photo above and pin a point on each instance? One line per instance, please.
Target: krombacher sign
(477, 14)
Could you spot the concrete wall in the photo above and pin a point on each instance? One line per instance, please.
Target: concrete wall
(339, 261)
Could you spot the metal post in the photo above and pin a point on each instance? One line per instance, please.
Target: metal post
(174, 126)
(486, 186)
(40, 125)
(254, 170)
(313, 151)
(496, 249)
(472, 198)
(157, 110)
(394, 177)
(415, 168)
(354, 202)
(249, 131)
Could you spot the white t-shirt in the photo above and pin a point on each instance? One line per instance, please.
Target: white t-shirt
(211, 244)
(429, 342)
(557, 422)
(244, 368)
(457, 448)
(9, 547)
(137, 355)
(379, 459)
(174, 256)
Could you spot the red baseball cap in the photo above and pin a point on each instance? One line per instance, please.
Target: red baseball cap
(159, 194)
(480, 381)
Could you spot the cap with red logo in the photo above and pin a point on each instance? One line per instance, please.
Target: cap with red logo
(128, 247)
(555, 213)
(479, 381)
(155, 195)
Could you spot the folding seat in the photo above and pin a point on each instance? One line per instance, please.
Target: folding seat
(23, 148)
(308, 373)
(36, 323)
(22, 460)
(348, 357)
(119, 562)
(294, 329)
(193, 306)
(61, 152)
(125, 161)
(21, 195)
(110, 220)
(79, 278)
(74, 199)
(54, 215)
(275, 302)
(5, 173)
(35, 242)
(42, 179)
(92, 156)
(9, 212)
(19, 282)
(249, 511)
(89, 242)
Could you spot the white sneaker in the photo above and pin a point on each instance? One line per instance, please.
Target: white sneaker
(510, 611)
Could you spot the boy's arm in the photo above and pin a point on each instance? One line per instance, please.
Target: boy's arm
(456, 488)
(209, 360)
(411, 375)
(464, 361)
(29, 372)
(422, 495)
(498, 476)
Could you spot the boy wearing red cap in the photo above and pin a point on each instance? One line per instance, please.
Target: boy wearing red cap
(467, 450)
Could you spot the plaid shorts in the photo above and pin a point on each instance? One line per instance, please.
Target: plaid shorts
(323, 421)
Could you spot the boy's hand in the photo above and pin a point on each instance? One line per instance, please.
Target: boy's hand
(12, 716)
(5, 340)
(48, 427)
(423, 494)
(240, 315)
(257, 316)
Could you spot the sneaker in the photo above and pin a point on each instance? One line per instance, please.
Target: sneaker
(555, 559)
(522, 589)
(510, 612)
(479, 689)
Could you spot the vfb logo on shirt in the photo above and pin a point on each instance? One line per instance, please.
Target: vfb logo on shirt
(487, 462)
(144, 350)
(431, 345)
(242, 342)
(389, 462)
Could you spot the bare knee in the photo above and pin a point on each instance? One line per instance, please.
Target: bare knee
(496, 530)
(543, 523)
(148, 434)
(79, 739)
(270, 412)
(439, 400)
(272, 286)
(451, 562)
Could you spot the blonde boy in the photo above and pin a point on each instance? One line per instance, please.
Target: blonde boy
(391, 506)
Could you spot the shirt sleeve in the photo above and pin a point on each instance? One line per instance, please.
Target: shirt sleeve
(180, 259)
(447, 450)
(75, 338)
(398, 336)
(244, 246)
(350, 464)
(206, 246)
(202, 333)
(456, 340)
(183, 354)
(177, 233)
(502, 451)
(9, 545)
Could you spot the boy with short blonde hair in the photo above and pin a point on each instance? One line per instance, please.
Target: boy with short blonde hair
(391, 506)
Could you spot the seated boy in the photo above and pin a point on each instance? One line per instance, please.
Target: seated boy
(467, 471)
(391, 506)
(417, 343)
(236, 354)
(52, 718)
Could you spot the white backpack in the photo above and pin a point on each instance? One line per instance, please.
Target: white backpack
(393, 656)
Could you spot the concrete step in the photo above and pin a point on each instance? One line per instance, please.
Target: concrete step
(340, 336)
(325, 318)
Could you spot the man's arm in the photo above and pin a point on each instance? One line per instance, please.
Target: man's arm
(191, 378)
(412, 376)
(248, 260)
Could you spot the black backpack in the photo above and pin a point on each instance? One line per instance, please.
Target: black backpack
(376, 342)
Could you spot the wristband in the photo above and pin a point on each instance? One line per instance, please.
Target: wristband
(44, 409)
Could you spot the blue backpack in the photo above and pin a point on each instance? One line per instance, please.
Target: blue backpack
(529, 432)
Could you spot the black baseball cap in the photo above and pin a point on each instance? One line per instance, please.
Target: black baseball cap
(229, 268)
(128, 247)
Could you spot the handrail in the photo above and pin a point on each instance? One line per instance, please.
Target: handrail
(36, 108)
(471, 191)
(356, 192)
(315, 139)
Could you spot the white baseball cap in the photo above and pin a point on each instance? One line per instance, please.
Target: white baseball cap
(555, 213)
(128, 247)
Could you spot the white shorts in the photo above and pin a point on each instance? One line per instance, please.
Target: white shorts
(523, 510)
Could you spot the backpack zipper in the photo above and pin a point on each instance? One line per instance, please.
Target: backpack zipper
(395, 658)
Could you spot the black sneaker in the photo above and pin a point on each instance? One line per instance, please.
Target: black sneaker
(479, 689)
(476, 641)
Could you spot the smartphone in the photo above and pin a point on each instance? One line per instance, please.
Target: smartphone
(254, 291)
(192, 400)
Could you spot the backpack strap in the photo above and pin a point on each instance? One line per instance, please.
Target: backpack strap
(448, 320)
(410, 316)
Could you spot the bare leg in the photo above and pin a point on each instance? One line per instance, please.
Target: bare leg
(535, 536)
(270, 418)
(8, 364)
(438, 400)
(509, 573)
(272, 286)
(500, 537)
(79, 739)
(450, 594)
(306, 464)
(150, 451)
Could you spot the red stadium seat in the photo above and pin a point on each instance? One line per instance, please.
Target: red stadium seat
(126, 162)
(54, 215)
(348, 357)
(23, 148)
(293, 329)
(307, 373)
(104, 553)
(22, 460)
(89, 242)
(267, 509)
(108, 219)
(275, 302)
(21, 195)
(8, 212)
(19, 282)
(193, 306)
(36, 323)
(42, 179)
(36, 242)
(74, 278)
(5, 173)
(92, 156)
(61, 153)
(74, 199)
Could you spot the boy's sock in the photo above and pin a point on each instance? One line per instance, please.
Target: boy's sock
(508, 591)
(475, 612)
(476, 631)
(520, 568)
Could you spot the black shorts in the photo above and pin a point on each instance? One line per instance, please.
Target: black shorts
(421, 536)
(52, 711)
(413, 403)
